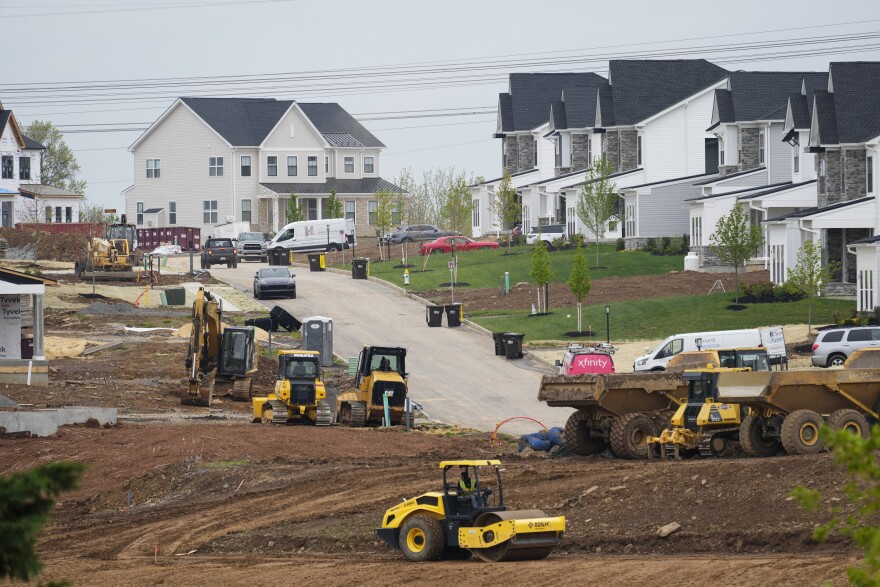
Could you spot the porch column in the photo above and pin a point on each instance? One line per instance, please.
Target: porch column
(843, 260)
(37, 307)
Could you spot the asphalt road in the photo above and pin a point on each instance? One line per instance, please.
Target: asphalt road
(454, 373)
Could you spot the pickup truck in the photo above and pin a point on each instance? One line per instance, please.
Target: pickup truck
(252, 245)
(217, 251)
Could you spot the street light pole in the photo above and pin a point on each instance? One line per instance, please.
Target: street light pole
(608, 324)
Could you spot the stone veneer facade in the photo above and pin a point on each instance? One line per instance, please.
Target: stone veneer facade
(748, 148)
(628, 150)
(611, 147)
(845, 176)
(580, 152)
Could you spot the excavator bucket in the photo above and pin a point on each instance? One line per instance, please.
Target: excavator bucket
(202, 399)
(515, 535)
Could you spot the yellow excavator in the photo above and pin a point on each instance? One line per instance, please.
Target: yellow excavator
(299, 393)
(218, 356)
(468, 516)
(381, 375)
(111, 257)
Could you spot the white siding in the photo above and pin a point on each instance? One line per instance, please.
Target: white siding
(305, 136)
(674, 144)
(867, 293)
(779, 155)
(546, 157)
(661, 210)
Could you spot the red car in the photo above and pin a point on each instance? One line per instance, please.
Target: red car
(444, 244)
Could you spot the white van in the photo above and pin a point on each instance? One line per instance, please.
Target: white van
(332, 234)
(769, 337)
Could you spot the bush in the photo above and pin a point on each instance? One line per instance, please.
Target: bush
(674, 247)
(621, 246)
(559, 243)
(650, 245)
(575, 240)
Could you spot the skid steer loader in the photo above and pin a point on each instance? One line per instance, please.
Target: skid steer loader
(299, 393)
(381, 375)
(466, 517)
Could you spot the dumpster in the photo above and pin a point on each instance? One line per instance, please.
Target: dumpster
(498, 338)
(434, 315)
(316, 262)
(285, 319)
(453, 314)
(317, 335)
(513, 345)
(359, 268)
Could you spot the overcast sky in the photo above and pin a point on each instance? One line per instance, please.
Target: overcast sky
(457, 55)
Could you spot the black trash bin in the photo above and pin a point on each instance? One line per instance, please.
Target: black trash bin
(316, 262)
(498, 338)
(267, 324)
(279, 257)
(434, 315)
(513, 345)
(453, 314)
(285, 319)
(359, 268)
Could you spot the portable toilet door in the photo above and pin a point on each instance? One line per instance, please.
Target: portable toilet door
(317, 335)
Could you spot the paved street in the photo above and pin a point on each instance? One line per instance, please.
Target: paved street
(454, 372)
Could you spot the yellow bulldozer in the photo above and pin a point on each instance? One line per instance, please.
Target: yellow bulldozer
(299, 396)
(111, 257)
(381, 377)
(218, 356)
(468, 516)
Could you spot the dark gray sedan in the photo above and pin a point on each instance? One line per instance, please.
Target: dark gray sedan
(274, 282)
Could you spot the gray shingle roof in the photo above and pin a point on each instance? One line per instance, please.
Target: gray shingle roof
(518, 173)
(367, 185)
(505, 113)
(330, 117)
(755, 95)
(527, 105)
(826, 111)
(739, 191)
(802, 103)
(342, 139)
(781, 188)
(730, 175)
(811, 211)
(558, 116)
(580, 183)
(671, 180)
(30, 143)
(856, 86)
(580, 107)
(153, 210)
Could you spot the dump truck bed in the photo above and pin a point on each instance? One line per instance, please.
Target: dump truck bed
(616, 393)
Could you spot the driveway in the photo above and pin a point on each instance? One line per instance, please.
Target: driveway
(454, 373)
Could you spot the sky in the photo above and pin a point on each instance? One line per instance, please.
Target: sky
(424, 77)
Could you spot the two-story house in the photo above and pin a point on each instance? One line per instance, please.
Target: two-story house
(207, 161)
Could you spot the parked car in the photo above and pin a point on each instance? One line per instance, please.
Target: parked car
(219, 250)
(517, 229)
(833, 346)
(274, 282)
(416, 232)
(461, 243)
(547, 233)
(582, 360)
(252, 245)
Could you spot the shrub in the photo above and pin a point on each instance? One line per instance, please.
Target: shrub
(674, 247)
(664, 243)
(575, 240)
(650, 245)
(621, 246)
(559, 243)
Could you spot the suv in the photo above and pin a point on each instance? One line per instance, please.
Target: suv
(833, 346)
(547, 233)
(416, 232)
(252, 245)
(219, 250)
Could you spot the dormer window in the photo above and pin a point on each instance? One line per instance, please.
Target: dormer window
(821, 176)
(869, 174)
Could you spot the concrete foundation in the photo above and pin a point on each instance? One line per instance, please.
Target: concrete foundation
(46, 422)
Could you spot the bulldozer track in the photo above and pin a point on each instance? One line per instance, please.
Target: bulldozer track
(279, 412)
(323, 414)
(356, 414)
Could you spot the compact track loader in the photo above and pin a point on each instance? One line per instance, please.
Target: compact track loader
(381, 372)
(466, 517)
(299, 393)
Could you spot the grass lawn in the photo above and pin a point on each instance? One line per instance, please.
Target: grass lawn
(661, 317)
(486, 268)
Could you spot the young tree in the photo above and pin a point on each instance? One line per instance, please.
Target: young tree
(334, 206)
(384, 211)
(735, 240)
(294, 212)
(506, 206)
(458, 207)
(25, 502)
(598, 199)
(58, 167)
(809, 274)
(541, 273)
(91, 212)
(579, 281)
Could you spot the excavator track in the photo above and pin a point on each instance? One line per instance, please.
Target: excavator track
(241, 389)
(279, 412)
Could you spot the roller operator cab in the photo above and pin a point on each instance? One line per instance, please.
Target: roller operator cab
(299, 395)
(468, 516)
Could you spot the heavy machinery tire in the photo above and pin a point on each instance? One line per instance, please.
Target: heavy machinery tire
(753, 441)
(800, 433)
(629, 436)
(576, 435)
(421, 539)
(850, 420)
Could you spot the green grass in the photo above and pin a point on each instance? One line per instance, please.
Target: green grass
(486, 268)
(660, 317)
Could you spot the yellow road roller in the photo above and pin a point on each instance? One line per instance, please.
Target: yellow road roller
(467, 516)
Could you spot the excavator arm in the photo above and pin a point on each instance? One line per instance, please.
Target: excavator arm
(204, 349)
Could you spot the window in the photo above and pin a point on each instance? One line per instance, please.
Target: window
(475, 214)
(720, 152)
(672, 348)
(152, 168)
(209, 208)
(140, 214)
(860, 334)
(48, 213)
(869, 174)
(7, 166)
(865, 285)
(536, 153)
(215, 166)
(821, 176)
(349, 211)
(373, 207)
(272, 162)
(349, 164)
(797, 157)
(292, 166)
(326, 164)
(68, 214)
(639, 150)
(313, 166)
(630, 220)
(697, 231)
(271, 213)
(368, 165)
(761, 147)
(172, 212)
(396, 216)
(58, 217)
(245, 165)
(246, 210)
(24, 168)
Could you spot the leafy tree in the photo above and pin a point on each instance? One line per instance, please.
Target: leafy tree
(579, 281)
(858, 455)
(809, 274)
(384, 211)
(294, 212)
(541, 272)
(598, 199)
(735, 240)
(25, 502)
(91, 212)
(59, 167)
(506, 206)
(334, 206)
(458, 207)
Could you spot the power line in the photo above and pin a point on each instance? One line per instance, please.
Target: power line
(389, 153)
(143, 8)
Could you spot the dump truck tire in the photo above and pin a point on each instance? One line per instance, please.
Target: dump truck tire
(753, 441)
(421, 539)
(800, 433)
(576, 435)
(849, 420)
(629, 436)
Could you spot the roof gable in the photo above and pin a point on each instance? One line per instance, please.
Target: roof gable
(823, 122)
(242, 122)
(856, 93)
(761, 95)
(531, 95)
(331, 118)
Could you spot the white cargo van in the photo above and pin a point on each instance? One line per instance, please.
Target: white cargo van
(333, 234)
(769, 337)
